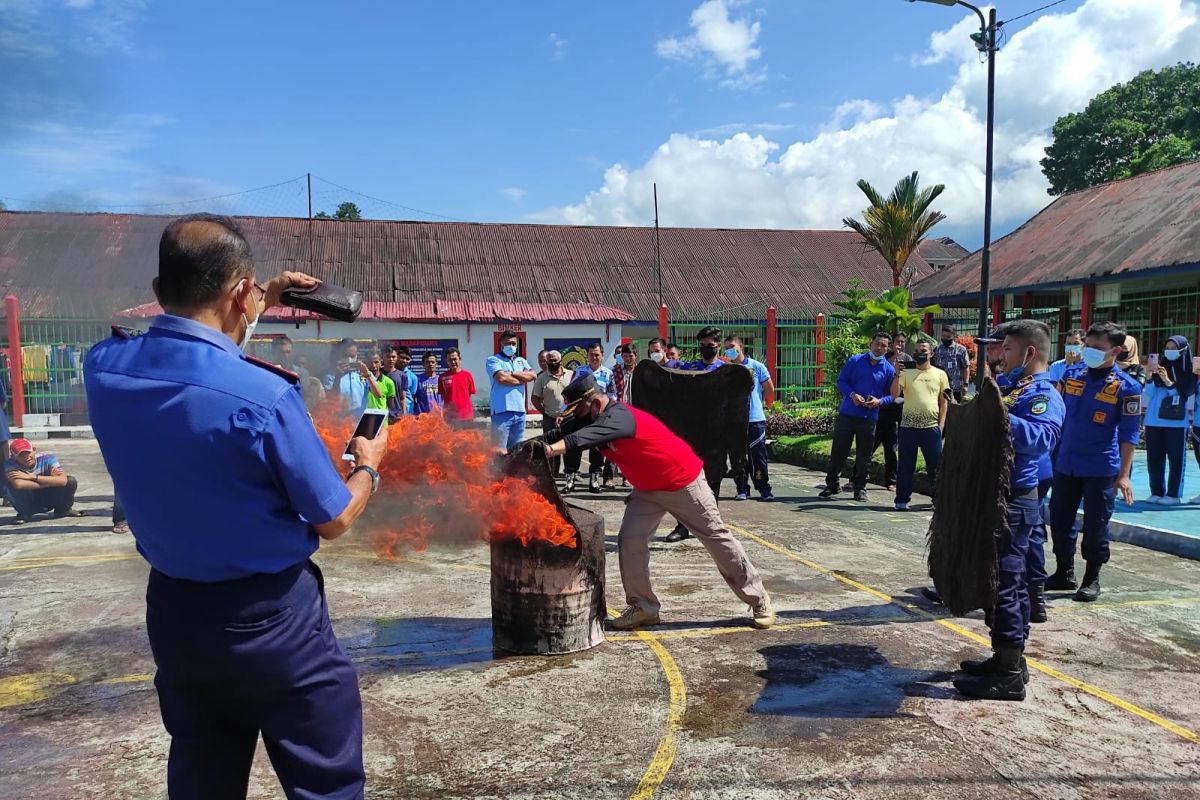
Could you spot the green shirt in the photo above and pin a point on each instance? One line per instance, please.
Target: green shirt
(387, 389)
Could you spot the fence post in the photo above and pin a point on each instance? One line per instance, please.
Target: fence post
(12, 310)
(927, 324)
(1087, 300)
(663, 320)
(772, 351)
(997, 309)
(820, 351)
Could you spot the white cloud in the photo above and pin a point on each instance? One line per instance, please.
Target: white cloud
(717, 40)
(514, 193)
(1054, 66)
(559, 46)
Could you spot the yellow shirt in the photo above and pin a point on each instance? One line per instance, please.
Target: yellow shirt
(922, 388)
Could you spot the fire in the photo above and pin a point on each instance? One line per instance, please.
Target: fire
(444, 483)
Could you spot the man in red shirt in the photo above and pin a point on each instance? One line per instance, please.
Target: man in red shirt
(667, 477)
(456, 387)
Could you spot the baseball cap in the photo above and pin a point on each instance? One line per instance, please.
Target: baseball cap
(997, 335)
(20, 446)
(581, 388)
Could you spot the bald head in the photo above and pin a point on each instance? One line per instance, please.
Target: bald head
(199, 257)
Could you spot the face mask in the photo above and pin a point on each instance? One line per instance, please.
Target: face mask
(1093, 357)
(874, 357)
(509, 350)
(1073, 349)
(553, 365)
(708, 351)
(1015, 374)
(731, 353)
(921, 357)
(947, 340)
(1172, 355)
(250, 326)
(656, 357)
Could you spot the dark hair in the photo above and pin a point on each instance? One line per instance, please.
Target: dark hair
(596, 346)
(657, 340)
(1109, 330)
(402, 350)
(948, 327)
(898, 334)
(1078, 333)
(198, 256)
(453, 351)
(1030, 332)
(733, 339)
(279, 341)
(674, 344)
(429, 355)
(628, 349)
(921, 341)
(508, 335)
(709, 332)
(881, 335)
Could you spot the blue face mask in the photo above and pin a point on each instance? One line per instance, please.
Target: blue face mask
(1093, 357)
(1073, 349)
(509, 350)
(1015, 374)
(731, 353)
(1172, 355)
(876, 358)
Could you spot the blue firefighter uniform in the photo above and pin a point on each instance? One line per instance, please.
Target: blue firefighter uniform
(222, 476)
(1103, 412)
(1035, 416)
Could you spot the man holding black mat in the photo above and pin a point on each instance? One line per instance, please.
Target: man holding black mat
(229, 490)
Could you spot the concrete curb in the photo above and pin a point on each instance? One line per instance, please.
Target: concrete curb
(63, 432)
(1165, 541)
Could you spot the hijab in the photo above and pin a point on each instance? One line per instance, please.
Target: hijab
(1180, 370)
(1128, 357)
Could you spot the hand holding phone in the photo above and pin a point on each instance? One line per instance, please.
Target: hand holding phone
(1152, 362)
(366, 447)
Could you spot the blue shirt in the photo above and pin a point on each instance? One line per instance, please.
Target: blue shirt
(1102, 413)
(412, 385)
(870, 378)
(1035, 418)
(427, 397)
(1057, 370)
(213, 456)
(507, 398)
(44, 464)
(353, 389)
(700, 366)
(1156, 395)
(761, 376)
(604, 377)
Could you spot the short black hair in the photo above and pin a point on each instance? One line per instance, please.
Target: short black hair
(508, 335)
(402, 350)
(948, 326)
(1078, 333)
(674, 344)
(657, 340)
(429, 355)
(596, 346)
(733, 339)
(198, 256)
(452, 351)
(1030, 332)
(628, 349)
(881, 335)
(1109, 330)
(898, 334)
(709, 332)
(279, 341)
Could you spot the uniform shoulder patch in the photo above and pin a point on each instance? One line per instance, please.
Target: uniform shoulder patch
(290, 377)
(1132, 405)
(1039, 404)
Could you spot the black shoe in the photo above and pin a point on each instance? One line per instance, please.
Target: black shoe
(679, 534)
(1004, 681)
(1089, 591)
(860, 495)
(594, 483)
(1037, 602)
(988, 666)
(827, 492)
(1063, 577)
(931, 594)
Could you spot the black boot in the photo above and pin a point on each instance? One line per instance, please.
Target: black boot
(1090, 590)
(987, 666)
(1064, 575)
(1004, 682)
(1037, 602)
(679, 534)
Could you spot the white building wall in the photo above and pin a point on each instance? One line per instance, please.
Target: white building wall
(315, 340)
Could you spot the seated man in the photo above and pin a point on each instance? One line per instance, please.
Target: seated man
(38, 484)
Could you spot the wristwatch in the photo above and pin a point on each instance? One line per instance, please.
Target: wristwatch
(374, 476)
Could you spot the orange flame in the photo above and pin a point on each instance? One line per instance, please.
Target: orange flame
(444, 483)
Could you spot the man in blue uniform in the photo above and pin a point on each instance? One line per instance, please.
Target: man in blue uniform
(866, 385)
(1035, 415)
(1104, 412)
(229, 490)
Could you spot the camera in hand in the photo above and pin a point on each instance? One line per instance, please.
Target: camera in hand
(369, 423)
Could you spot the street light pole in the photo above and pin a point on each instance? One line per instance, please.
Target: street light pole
(986, 43)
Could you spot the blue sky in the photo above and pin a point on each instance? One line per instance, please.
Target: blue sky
(747, 112)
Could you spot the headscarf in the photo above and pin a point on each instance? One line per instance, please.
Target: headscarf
(1180, 370)
(1128, 357)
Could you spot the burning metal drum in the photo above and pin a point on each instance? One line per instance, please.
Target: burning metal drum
(548, 599)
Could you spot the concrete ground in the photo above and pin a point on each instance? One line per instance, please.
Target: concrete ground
(849, 697)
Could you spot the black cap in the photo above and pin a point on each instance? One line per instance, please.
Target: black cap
(995, 337)
(581, 388)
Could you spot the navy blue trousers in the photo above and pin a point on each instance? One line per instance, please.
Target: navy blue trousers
(1098, 498)
(1010, 618)
(1035, 559)
(757, 461)
(250, 656)
(929, 442)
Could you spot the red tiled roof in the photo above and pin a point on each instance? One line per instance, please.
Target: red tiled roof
(58, 261)
(1148, 222)
(441, 311)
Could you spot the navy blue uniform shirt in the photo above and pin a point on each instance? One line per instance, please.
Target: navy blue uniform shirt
(1104, 410)
(1035, 418)
(214, 457)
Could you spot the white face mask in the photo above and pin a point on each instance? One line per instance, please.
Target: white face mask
(250, 326)
(656, 357)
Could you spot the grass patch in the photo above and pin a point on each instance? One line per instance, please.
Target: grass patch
(812, 451)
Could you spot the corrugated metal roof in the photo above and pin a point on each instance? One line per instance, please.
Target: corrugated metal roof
(1151, 221)
(105, 262)
(942, 252)
(440, 311)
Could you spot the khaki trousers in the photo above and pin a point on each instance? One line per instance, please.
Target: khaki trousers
(694, 506)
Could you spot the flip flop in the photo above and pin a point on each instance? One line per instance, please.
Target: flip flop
(121, 527)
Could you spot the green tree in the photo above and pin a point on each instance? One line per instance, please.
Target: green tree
(843, 341)
(894, 226)
(347, 211)
(1151, 122)
(2, 206)
(892, 312)
(854, 300)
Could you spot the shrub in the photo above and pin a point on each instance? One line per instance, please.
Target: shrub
(800, 422)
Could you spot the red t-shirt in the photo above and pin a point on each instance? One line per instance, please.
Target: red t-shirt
(456, 390)
(651, 457)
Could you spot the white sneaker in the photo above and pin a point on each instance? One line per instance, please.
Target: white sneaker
(1170, 501)
(1155, 499)
(762, 616)
(633, 617)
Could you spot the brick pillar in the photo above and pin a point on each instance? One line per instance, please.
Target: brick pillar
(12, 308)
(927, 324)
(1085, 305)
(997, 309)
(663, 320)
(1026, 305)
(1154, 340)
(772, 352)
(820, 350)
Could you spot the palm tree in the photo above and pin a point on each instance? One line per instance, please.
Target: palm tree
(896, 225)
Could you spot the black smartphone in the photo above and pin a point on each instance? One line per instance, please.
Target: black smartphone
(369, 423)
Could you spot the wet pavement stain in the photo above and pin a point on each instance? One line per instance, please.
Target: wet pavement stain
(419, 644)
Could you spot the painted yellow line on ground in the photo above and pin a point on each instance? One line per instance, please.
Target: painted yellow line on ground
(64, 561)
(704, 633)
(1082, 686)
(664, 754)
(125, 679)
(17, 690)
